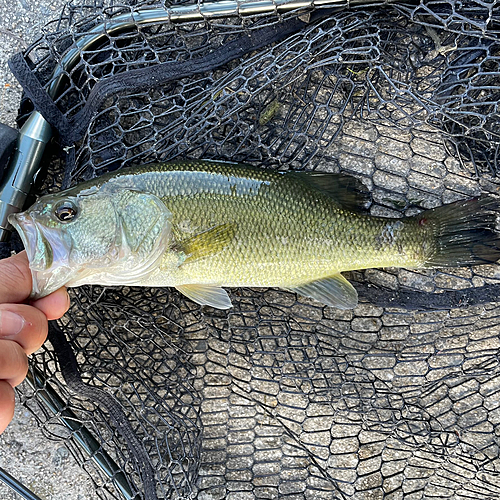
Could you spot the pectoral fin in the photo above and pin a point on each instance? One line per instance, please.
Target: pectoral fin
(207, 295)
(333, 291)
(209, 242)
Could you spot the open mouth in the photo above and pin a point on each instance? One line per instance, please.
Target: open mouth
(37, 247)
(47, 254)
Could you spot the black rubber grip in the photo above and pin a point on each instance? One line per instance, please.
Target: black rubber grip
(8, 137)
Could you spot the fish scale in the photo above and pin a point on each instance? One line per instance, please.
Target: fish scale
(287, 233)
(202, 225)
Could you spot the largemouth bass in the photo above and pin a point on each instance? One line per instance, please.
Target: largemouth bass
(199, 226)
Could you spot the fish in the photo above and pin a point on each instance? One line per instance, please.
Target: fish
(202, 226)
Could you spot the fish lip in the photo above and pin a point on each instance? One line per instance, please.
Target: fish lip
(49, 272)
(25, 226)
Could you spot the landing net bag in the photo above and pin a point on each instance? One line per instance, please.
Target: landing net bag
(280, 397)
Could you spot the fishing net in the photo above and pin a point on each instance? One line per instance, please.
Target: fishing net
(280, 397)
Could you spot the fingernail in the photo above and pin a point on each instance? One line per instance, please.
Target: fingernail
(10, 323)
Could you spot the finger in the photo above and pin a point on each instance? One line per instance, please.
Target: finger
(54, 305)
(7, 401)
(13, 362)
(15, 285)
(24, 324)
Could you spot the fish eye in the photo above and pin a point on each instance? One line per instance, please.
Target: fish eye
(65, 211)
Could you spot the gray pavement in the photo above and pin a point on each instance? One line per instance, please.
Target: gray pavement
(44, 466)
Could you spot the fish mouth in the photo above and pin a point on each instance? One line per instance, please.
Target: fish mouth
(48, 254)
(37, 248)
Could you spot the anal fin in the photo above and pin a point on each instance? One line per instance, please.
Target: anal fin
(333, 291)
(207, 295)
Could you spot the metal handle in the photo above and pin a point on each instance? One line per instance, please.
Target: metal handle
(23, 169)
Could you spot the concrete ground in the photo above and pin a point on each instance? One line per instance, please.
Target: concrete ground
(44, 466)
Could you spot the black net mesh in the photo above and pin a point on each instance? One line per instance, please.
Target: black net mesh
(280, 397)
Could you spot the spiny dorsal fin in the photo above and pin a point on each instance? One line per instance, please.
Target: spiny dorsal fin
(346, 190)
(333, 291)
(207, 295)
(208, 242)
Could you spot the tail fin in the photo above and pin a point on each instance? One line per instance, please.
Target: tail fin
(465, 232)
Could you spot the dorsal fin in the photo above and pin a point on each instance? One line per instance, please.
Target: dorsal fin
(346, 190)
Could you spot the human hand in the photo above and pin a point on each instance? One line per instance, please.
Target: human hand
(23, 327)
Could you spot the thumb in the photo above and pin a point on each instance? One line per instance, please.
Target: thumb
(15, 279)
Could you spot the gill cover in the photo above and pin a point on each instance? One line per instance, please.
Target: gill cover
(116, 237)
